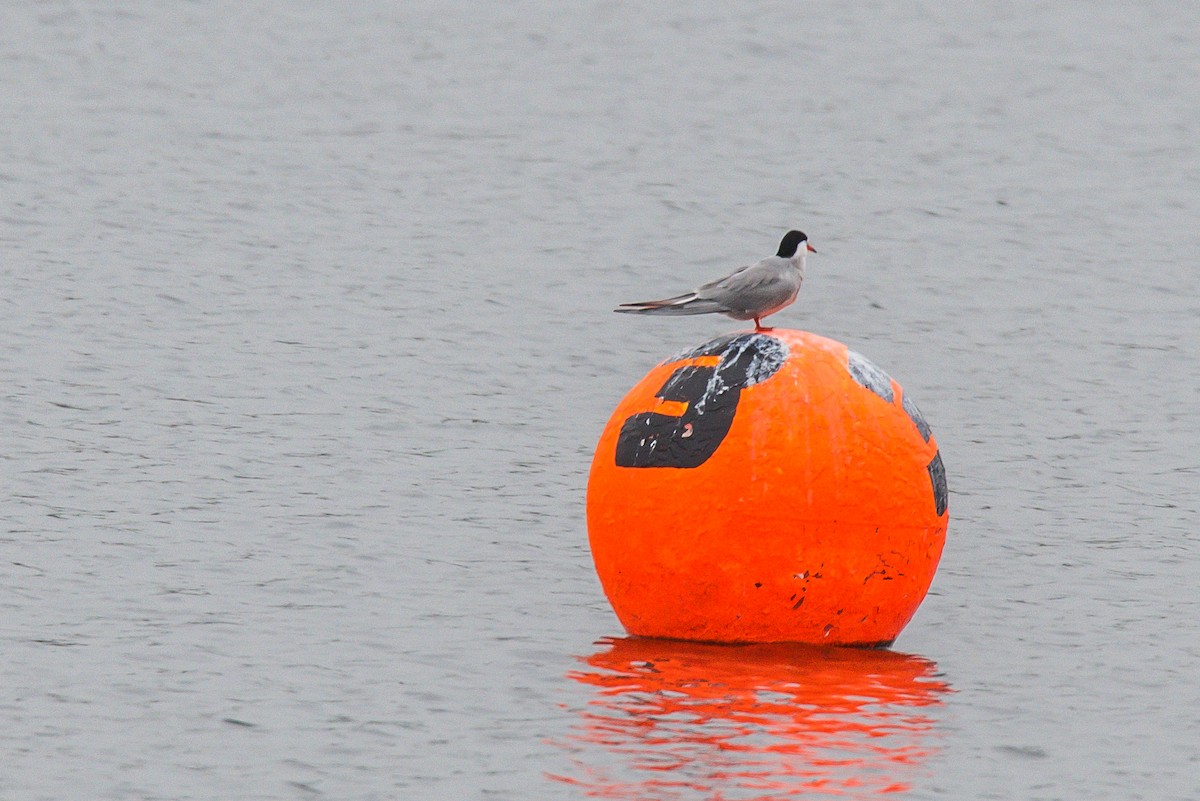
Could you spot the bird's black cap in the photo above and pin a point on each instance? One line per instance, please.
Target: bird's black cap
(792, 241)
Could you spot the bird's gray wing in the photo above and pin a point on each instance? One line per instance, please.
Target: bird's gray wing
(756, 286)
(686, 296)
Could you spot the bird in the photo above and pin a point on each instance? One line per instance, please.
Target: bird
(748, 293)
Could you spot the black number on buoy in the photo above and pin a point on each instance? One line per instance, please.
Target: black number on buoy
(937, 475)
(651, 439)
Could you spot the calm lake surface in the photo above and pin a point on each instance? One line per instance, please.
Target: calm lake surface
(307, 342)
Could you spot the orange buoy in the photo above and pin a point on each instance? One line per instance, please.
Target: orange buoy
(771, 486)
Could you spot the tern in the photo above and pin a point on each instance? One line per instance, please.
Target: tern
(748, 293)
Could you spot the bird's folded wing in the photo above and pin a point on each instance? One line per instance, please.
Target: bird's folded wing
(751, 279)
(686, 296)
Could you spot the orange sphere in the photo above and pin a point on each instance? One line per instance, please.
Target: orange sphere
(767, 487)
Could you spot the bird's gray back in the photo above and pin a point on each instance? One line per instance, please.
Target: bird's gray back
(767, 285)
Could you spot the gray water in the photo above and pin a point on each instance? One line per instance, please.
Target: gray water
(307, 342)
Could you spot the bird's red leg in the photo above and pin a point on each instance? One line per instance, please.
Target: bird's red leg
(757, 325)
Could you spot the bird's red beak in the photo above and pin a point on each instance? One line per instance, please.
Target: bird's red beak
(811, 249)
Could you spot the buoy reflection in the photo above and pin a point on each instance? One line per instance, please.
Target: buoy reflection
(675, 720)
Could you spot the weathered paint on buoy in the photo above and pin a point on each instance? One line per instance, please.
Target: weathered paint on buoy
(770, 486)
